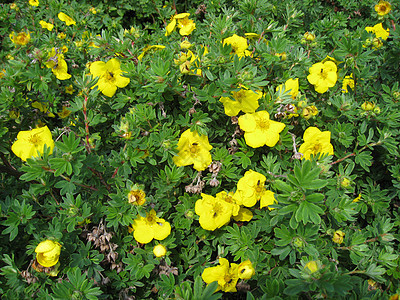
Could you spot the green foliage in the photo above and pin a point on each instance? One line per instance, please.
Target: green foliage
(333, 231)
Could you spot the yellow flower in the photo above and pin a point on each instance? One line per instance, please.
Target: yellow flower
(260, 130)
(252, 35)
(148, 48)
(347, 81)
(316, 142)
(245, 100)
(193, 149)
(48, 253)
(22, 38)
(181, 21)
(267, 199)
(379, 31)
(309, 36)
(67, 19)
(34, 2)
(367, 106)
(309, 111)
(185, 44)
(238, 44)
(136, 196)
(228, 197)
(338, 237)
(214, 212)
(46, 25)
(322, 76)
(69, 89)
(64, 113)
(225, 275)
(110, 76)
(44, 108)
(311, 266)
(345, 182)
(246, 270)
(149, 228)
(244, 215)
(30, 142)
(291, 87)
(383, 8)
(14, 6)
(58, 65)
(159, 250)
(250, 189)
(61, 35)
(357, 198)
(93, 10)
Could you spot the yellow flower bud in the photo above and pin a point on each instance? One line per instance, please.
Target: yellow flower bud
(367, 106)
(338, 237)
(159, 250)
(246, 270)
(185, 44)
(48, 253)
(345, 182)
(308, 36)
(311, 266)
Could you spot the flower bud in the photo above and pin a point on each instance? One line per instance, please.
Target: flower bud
(345, 182)
(309, 36)
(159, 250)
(246, 270)
(338, 237)
(367, 106)
(48, 253)
(185, 44)
(311, 267)
(298, 242)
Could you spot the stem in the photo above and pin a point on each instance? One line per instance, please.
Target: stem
(69, 179)
(8, 168)
(353, 154)
(87, 145)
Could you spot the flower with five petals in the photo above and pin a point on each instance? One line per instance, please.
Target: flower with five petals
(193, 149)
(29, 142)
(226, 276)
(145, 229)
(245, 100)
(181, 21)
(316, 142)
(260, 130)
(323, 75)
(110, 76)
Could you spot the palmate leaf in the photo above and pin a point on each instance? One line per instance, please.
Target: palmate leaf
(309, 212)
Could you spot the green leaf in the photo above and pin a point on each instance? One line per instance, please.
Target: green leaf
(309, 212)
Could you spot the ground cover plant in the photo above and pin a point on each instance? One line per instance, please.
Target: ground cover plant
(199, 149)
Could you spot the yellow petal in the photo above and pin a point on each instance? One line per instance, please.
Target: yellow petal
(162, 229)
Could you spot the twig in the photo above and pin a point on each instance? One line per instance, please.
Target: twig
(87, 145)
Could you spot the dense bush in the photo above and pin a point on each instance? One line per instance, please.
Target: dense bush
(199, 150)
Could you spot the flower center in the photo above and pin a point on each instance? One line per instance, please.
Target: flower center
(263, 124)
(109, 76)
(317, 148)
(216, 210)
(184, 22)
(194, 148)
(150, 219)
(323, 74)
(35, 140)
(259, 187)
(228, 278)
